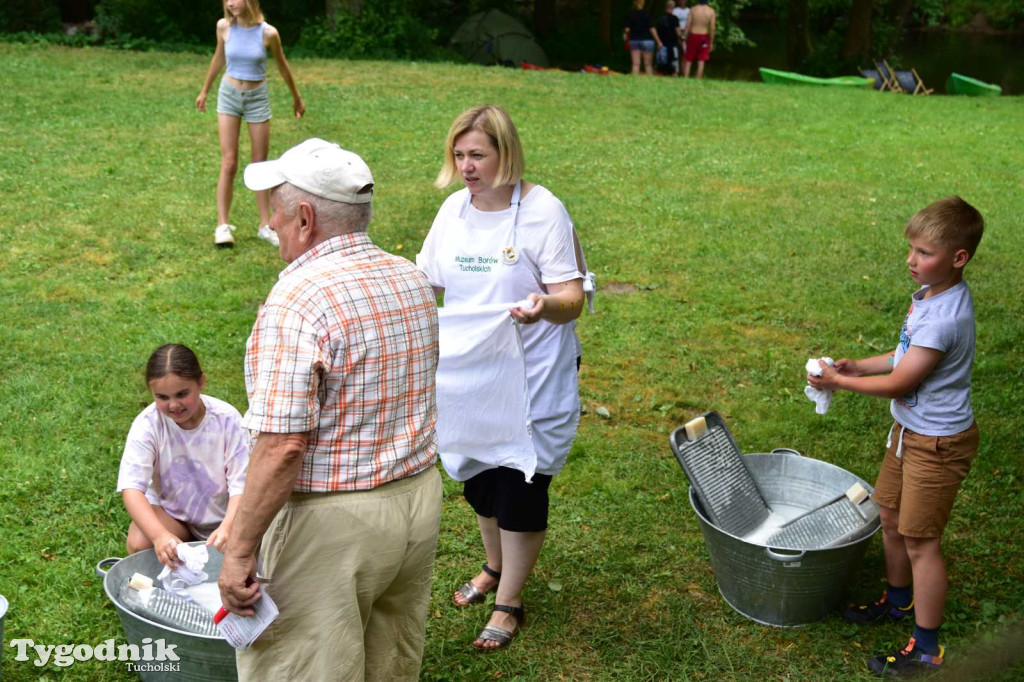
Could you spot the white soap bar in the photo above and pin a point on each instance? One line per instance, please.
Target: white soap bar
(141, 582)
(696, 428)
(857, 493)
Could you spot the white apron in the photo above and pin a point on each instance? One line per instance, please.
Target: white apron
(484, 264)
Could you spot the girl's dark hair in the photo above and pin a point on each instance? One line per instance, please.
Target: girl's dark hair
(173, 358)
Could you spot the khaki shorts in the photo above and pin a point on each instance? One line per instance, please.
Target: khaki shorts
(350, 573)
(922, 484)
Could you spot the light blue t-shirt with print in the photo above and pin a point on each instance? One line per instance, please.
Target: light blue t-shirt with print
(941, 404)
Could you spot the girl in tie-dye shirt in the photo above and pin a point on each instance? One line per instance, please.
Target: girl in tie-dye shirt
(184, 462)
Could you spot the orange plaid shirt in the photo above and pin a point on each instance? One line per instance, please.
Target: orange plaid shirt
(345, 348)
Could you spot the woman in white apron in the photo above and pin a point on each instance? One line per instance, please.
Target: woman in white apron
(502, 239)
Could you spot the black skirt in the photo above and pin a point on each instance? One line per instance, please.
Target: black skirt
(504, 494)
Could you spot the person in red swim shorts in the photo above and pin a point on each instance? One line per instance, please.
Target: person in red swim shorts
(699, 36)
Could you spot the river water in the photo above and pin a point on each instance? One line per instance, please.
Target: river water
(993, 58)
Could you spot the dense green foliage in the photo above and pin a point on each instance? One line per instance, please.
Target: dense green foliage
(762, 227)
(391, 29)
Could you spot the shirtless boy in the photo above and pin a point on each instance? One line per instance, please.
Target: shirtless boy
(698, 37)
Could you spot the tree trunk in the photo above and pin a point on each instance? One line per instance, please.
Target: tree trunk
(899, 10)
(544, 16)
(798, 37)
(604, 24)
(331, 10)
(858, 36)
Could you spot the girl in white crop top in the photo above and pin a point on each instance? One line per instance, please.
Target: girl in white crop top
(243, 39)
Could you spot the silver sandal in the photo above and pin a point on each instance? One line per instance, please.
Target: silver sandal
(503, 637)
(473, 594)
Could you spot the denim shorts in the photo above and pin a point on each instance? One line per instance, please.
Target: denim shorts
(252, 105)
(643, 45)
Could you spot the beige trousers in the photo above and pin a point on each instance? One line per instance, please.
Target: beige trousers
(350, 573)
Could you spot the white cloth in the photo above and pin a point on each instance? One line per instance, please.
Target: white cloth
(463, 254)
(189, 572)
(483, 405)
(822, 399)
(941, 404)
(190, 473)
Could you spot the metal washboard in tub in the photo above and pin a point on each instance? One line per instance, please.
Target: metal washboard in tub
(836, 523)
(713, 463)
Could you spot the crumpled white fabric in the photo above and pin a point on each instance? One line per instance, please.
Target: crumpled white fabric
(822, 399)
(589, 289)
(190, 572)
(483, 404)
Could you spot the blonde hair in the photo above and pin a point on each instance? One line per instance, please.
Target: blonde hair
(251, 16)
(951, 223)
(494, 122)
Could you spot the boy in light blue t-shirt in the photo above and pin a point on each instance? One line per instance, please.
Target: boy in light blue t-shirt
(934, 437)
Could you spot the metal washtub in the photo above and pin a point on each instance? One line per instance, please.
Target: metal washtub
(3, 614)
(203, 658)
(778, 586)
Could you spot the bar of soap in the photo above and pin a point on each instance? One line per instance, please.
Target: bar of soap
(141, 582)
(696, 428)
(857, 493)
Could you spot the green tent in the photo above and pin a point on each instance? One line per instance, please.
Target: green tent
(493, 37)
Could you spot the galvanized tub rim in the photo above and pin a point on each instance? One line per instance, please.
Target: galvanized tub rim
(104, 566)
(694, 502)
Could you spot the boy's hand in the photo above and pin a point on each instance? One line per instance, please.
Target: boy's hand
(166, 547)
(827, 380)
(848, 367)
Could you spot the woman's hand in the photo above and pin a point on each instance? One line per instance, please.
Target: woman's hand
(528, 315)
(166, 547)
(201, 102)
(299, 107)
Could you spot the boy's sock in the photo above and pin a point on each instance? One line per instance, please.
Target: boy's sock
(900, 597)
(926, 639)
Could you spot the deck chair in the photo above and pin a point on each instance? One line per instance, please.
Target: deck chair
(874, 75)
(889, 81)
(911, 83)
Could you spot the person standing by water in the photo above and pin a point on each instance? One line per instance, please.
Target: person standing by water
(525, 230)
(682, 13)
(698, 37)
(243, 38)
(642, 37)
(671, 33)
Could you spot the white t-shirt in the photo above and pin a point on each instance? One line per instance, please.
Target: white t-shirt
(463, 253)
(190, 473)
(941, 404)
(682, 14)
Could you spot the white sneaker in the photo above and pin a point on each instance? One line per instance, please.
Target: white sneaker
(269, 235)
(222, 235)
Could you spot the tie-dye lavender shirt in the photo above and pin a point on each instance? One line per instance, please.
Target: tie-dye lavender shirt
(191, 474)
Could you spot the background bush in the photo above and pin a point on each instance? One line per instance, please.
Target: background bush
(40, 16)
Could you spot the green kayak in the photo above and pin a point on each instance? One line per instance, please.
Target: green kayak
(789, 78)
(958, 84)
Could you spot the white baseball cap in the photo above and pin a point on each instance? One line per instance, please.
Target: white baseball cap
(318, 167)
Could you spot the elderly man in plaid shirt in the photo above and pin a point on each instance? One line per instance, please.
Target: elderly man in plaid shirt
(342, 489)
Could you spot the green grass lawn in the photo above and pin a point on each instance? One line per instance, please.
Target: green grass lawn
(736, 230)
